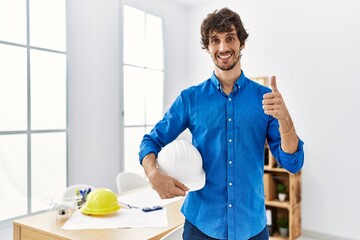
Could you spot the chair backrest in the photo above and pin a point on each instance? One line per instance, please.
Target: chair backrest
(70, 192)
(175, 234)
(128, 180)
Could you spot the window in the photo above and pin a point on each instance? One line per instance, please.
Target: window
(143, 80)
(33, 127)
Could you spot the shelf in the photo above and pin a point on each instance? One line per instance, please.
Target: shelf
(277, 203)
(274, 175)
(275, 169)
(276, 236)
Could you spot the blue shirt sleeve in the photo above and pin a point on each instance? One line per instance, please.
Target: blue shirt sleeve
(293, 162)
(165, 131)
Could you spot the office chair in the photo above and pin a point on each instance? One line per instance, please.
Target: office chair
(128, 180)
(175, 234)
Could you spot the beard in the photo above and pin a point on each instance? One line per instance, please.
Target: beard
(228, 66)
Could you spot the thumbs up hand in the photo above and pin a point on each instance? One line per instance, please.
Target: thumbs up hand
(273, 103)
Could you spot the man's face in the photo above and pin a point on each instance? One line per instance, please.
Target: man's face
(224, 49)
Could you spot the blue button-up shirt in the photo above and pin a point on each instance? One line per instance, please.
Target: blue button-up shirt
(230, 132)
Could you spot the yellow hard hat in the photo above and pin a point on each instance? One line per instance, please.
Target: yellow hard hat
(100, 202)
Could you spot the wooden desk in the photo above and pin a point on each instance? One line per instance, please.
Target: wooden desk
(44, 226)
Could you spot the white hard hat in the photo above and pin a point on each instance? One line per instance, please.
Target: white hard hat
(181, 160)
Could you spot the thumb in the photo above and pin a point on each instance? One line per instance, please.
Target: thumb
(273, 84)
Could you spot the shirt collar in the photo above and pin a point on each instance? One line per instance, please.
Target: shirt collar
(239, 83)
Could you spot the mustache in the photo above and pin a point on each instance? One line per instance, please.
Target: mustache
(226, 52)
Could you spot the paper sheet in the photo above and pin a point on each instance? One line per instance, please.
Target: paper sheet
(124, 218)
(146, 197)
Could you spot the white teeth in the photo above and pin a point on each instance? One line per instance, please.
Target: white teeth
(224, 56)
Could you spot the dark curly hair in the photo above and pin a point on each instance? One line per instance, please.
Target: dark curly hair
(223, 20)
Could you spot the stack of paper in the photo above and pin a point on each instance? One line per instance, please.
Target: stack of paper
(124, 218)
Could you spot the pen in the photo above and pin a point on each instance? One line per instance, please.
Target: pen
(127, 205)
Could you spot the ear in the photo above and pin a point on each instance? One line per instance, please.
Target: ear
(242, 46)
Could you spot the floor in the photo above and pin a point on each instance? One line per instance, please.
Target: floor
(7, 234)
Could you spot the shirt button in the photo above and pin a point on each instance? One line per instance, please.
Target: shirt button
(230, 162)
(230, 140)
(229, 119)
(230, 99)
(230, 205)
(230, 184)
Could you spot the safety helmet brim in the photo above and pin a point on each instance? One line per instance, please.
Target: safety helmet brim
(99, 211)
(196, 184)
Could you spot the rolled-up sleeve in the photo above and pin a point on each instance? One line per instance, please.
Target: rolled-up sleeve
(293, 162)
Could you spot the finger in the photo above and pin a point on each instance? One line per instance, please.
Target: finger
(270, 107)
(272, 112)
(174, 191)
(178, 192)
(271, 95)
(181, 186)
(271, 101)
(273, 84)
(268, 95)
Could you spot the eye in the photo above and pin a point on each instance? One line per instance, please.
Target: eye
(215, 41)
(230, 39)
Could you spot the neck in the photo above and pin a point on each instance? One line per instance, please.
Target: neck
(227, 78)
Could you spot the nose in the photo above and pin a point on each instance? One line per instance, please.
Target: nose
(223, 47)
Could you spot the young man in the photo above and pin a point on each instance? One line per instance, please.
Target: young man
(230, 118)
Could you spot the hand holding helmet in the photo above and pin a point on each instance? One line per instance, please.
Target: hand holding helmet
(179, 170)
(165, 185)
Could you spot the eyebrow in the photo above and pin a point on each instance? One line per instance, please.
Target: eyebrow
(227, 34)
(231, 34)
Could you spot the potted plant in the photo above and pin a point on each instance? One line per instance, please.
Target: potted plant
(283, 224)
(281, 189)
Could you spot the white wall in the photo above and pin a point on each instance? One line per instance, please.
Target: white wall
(94, 91)
(313, 49)
(94, 82)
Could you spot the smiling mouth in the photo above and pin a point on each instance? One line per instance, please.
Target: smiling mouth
(224, 56)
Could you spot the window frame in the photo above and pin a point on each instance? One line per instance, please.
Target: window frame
(29, 131)
(146, 127)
